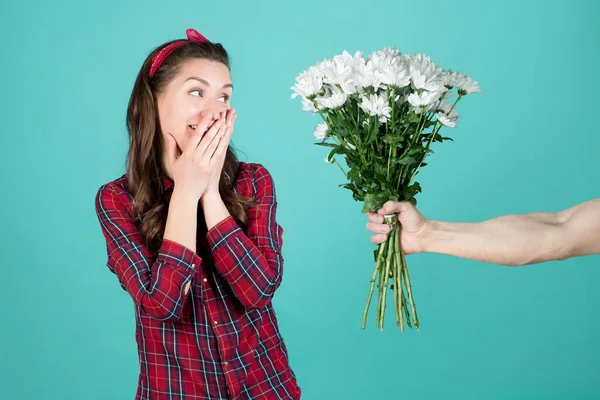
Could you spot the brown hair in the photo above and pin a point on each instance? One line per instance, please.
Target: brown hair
(144, 159)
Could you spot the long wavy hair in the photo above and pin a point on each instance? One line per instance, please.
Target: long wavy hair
(144, 158)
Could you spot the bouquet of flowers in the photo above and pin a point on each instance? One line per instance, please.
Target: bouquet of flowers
(382, 114)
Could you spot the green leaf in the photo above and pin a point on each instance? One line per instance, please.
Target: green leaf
(440, 138)
(390, 140)
(413, 118)
(331, 154)
(411, 191)
(372, 203)
(380, 170)
(325, 144)
(366, 207)
(429, 124)
(353, 175)
(415, 150)
(407, 161)
(340, 150)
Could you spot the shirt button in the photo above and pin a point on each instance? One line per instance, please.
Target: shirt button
(204, 280)
(226, 363)
(193, 265)
(216, 323)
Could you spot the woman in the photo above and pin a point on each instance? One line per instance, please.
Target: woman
(191, 234)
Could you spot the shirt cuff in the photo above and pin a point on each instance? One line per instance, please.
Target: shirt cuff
(179, 255)
(218, 234)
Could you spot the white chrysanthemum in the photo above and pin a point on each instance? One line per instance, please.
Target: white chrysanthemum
(423, 101)
(308, 83)
(449, 95)
(425, 78)
(451, 79)
(365, 76)
(389, 68)
(320, 132)
(349, 59)
(394, 74)
(468, 86)
(444, 107)
(417, 59)
(423, 72)
(376, 105)
(446, 120)
(384, 56)
(339, 71)
(334, 99)
(308, 105)
(446, 114)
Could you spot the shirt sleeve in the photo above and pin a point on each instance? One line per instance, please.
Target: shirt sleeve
(156, 284)
(252, 264)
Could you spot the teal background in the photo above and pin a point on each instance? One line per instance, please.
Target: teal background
(528, 142)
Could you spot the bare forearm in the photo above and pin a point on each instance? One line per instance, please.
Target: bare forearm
(181, 220)
(508, 240)
(215, 210)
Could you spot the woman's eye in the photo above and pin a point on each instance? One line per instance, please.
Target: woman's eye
(197, 93)
(224, 99)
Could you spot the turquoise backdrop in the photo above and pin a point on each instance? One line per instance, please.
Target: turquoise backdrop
(528, 142)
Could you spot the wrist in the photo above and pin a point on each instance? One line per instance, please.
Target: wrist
(430, 236)
(210, 197)
(214, 208)
(184, 197)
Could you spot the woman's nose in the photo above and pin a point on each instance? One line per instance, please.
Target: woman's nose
(216, 110)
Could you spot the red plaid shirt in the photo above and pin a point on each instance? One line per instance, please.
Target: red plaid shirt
(221, 340)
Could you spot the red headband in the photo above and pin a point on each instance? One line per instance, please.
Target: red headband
(161, 56)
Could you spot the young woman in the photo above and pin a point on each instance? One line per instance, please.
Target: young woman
(192, 236)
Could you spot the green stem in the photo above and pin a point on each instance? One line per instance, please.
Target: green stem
(435, 131)
(398, 285)
(386, 131)
(377, 266)
(386, 275)
(389, 161)
(393, 105)
(342, 169)
(409, 290)
(380, 289)
(405, 307)
(416, 136)
(453, 105)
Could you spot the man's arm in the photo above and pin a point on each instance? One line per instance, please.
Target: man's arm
(520, 239)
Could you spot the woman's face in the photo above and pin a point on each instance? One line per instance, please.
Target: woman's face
(202, 88)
